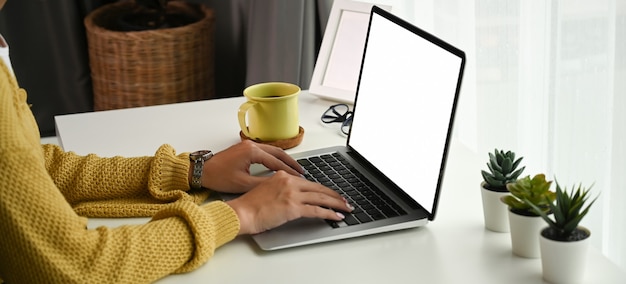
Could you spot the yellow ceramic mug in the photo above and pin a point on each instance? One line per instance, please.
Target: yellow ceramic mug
(272, 111)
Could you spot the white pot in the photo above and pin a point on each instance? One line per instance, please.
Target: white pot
(525, 234)
(494, 211)
(564, 262)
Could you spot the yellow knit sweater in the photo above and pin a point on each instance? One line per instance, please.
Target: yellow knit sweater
(44, 191)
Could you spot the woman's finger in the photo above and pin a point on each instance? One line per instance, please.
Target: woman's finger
(312, 211)
(323, 200)
(275, 158)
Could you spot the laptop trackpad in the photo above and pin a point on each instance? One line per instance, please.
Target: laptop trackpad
(297, 232)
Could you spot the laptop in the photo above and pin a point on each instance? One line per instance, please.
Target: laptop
(393, 163)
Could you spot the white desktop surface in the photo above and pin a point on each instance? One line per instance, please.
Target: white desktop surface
(455, 248)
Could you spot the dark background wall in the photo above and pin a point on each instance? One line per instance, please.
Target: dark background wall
(48, 48)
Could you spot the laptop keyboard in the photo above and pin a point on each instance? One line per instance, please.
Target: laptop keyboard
(370, 203)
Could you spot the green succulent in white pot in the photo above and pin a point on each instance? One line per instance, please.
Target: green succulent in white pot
(525, 223)
(503, 168)
(564, 242)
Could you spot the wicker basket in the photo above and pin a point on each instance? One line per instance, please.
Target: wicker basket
(141, 68)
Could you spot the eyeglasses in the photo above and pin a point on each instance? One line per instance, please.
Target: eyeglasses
(339, 113)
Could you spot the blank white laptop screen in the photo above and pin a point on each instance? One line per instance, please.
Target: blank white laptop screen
(404, 107)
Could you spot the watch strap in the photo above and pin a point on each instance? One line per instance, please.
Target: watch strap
(198, 158)
(196, 177)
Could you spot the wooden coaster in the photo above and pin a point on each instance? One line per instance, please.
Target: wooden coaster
(284, 143)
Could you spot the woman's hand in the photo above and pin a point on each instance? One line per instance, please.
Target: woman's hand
(229, 170)
(282, 198)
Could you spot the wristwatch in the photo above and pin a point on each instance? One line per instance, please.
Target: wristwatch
(198, 158)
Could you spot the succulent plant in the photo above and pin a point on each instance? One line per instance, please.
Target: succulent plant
(568, 211)
(526, 190)
(502, 170)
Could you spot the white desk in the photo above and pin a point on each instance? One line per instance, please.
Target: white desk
(455, 248)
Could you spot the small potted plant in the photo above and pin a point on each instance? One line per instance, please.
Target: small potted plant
(524, 222)
(503, 169)
(563, 244)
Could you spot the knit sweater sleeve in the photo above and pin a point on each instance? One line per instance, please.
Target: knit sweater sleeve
(118, 186)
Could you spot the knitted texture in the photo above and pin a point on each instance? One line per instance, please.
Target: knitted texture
(116, 187)
(44, 191)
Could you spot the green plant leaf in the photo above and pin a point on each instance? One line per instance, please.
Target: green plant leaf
(513, 176)
(499, 176)
(526, 190)
(567, 210)
(512, 202)
(506, 165)
(517, 162)
(542, 213)
(498, 156)
(502, 169)
(495, 165)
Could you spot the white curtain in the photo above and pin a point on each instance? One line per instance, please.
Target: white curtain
(546, 79)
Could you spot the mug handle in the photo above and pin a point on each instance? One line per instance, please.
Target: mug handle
(243, 109)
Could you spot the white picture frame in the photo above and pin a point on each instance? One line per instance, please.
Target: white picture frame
(338, 64)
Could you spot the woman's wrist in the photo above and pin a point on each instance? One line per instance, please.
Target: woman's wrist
(234, 204)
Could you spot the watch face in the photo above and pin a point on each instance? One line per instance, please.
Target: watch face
(202, 154)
